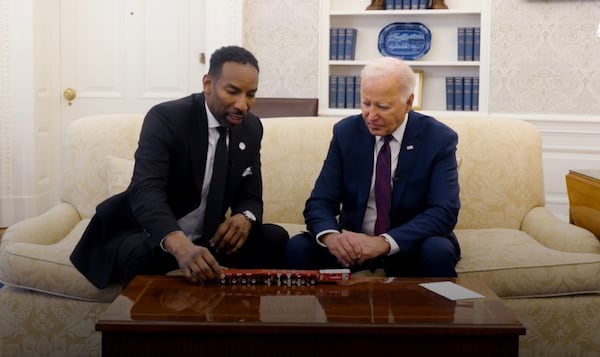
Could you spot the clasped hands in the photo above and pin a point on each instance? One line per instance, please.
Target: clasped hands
(355, 248)
(197, 262)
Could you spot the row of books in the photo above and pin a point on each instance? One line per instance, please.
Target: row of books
(406, 4)
(462, 93)
(342, 43)
(344, 91)
(469, 39)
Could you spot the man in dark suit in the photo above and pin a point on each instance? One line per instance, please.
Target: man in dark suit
(397, 214)
(171, 215)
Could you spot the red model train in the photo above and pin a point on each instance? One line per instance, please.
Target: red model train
(283, 277)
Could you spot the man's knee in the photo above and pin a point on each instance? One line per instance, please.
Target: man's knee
(274, 234)
(299, 251)
(133, 257)
(439, 257)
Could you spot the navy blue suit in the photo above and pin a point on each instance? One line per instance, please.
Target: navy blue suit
(425, 199)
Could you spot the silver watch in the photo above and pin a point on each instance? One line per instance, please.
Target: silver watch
(249, 216)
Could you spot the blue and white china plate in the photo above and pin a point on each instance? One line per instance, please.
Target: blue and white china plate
(406, 40)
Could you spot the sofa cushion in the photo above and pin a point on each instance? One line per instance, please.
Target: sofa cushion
(118, 174)
(500, 174)
(47, 268)
(516, 265)
(88, 143)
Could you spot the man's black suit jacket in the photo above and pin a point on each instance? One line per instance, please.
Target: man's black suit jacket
(167, 182)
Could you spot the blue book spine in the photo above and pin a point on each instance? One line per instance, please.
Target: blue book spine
(475, 94)
(476, 43)
(406, 4)
(414, 4)
(350, 50)
(356, 91)
(332, 91)
(449, 93)
(350, 92)
(341, 92)
(458, 93)
(461, 39)
(390, 4)
(341, 43)
(398, 4)
(423, 4)
(332, 43)
(467, 94)
(469, 40)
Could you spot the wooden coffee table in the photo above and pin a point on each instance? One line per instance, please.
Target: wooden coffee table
(167, 316)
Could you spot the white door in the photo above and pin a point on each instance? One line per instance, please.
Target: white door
(123, 56)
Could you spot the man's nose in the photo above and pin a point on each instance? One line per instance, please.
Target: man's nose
(242, 103)
(371, 112)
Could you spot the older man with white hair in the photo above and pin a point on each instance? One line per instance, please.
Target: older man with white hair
(387, 196)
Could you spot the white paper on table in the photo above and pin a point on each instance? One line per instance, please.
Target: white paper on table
(451, 290)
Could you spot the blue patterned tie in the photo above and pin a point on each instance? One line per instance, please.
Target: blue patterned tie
(383, 187)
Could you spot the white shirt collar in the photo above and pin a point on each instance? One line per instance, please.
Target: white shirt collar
(398, 134)
(212, 121)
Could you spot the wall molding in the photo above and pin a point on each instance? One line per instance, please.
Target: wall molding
(565, 149)
(552, 118)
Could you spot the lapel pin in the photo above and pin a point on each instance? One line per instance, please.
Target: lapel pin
(242, 146)
(410, 147)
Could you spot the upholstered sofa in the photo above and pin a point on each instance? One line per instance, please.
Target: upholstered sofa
(546, 270)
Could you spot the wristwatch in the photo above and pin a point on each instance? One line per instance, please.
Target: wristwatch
(250, 217)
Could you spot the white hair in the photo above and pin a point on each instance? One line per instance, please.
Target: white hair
(390, 66)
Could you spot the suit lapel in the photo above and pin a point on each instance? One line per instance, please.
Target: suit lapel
(199, 140)
(364, 157)
(237, 144)
(409, 148)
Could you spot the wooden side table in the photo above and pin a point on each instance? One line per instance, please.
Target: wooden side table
(583, 189)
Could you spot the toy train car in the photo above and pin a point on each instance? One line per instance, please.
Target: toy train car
(283, 277)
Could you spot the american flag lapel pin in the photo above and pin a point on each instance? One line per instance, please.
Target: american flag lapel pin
(410, 147)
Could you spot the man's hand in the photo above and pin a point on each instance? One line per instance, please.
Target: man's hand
(354, 248)
(345, 247)
(231, 234)
(196, 262)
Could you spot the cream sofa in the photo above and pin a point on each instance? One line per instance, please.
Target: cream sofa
(547, 270)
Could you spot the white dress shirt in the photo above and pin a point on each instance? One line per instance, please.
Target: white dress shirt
(371, 210)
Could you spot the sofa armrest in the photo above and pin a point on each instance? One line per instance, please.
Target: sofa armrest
(553, 233)
(45, 229)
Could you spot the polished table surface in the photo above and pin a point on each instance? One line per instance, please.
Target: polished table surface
(381, 305)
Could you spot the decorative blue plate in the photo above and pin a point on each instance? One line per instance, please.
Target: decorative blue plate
(406, 40)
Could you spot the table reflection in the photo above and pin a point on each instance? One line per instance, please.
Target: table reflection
(370, 302)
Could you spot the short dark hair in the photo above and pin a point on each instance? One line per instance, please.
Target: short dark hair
(230, 54)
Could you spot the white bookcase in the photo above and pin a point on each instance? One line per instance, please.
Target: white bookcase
(439, 62)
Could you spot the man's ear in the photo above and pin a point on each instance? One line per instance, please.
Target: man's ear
(409, 102)
(207, 83)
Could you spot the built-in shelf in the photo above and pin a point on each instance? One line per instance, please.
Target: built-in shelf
(438, 63)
